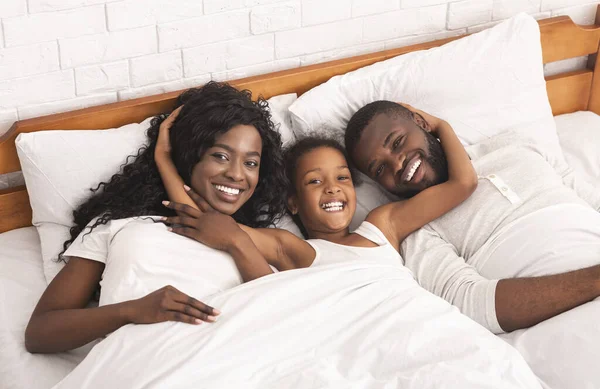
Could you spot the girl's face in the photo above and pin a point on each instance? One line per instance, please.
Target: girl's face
(325, 198)
(227, 173)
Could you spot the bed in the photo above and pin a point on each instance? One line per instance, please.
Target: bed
(21, 276)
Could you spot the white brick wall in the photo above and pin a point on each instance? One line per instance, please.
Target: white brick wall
(9, 8)
(405, 22)
(138, 13)
(29, 60)
(102, 78)
(57, 5)
(467, 13)
(156, 68)
(275, 17)
(49, 26)
(58, 55)
(318, 38)
(205, 29)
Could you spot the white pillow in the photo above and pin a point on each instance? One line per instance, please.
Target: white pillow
(483, 84)
(60, 167)
(281, 116)
(579, 135)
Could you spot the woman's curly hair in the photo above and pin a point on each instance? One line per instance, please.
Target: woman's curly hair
(208, 111)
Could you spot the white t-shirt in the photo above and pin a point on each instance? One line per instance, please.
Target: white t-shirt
(141, 256)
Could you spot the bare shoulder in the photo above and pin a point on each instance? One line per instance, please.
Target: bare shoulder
(388, 218)
(288, 251)
(383, 214)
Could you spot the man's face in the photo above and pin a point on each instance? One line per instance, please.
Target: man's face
(401, 156)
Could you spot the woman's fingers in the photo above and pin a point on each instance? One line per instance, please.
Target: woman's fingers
(182, 317)
(194, 307)
(171, 118)
(199, 200)
(180, 221)
(189, 310)
(183, 209)
(184, 231)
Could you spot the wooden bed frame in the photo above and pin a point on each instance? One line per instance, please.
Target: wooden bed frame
(561, 39)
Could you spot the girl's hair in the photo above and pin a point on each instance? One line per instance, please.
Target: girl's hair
(207, 112)
(293, 153)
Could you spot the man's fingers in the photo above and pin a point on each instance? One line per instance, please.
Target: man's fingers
(199, 200)
(183, 209)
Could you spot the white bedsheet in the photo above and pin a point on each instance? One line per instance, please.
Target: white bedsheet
(563, 351)
(21, 284)
(354, 325)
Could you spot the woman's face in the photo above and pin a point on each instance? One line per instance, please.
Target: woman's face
(325, 198)
(227, 174)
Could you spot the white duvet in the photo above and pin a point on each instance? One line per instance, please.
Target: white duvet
(356, 325)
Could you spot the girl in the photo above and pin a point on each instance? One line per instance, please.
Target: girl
(225, 146)
(322, 197)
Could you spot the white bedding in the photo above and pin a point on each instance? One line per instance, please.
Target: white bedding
(22, 281)
(358, 324)
(21, 284)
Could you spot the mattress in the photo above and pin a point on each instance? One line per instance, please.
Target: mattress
(21, 285)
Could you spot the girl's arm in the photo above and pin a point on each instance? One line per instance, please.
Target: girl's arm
(400, 219)
(281, 248)
(229, 237)
(168, 172)
(61, 321)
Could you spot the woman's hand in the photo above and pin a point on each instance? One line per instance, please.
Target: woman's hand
(220, 232)
(163, 144)
(168, 304)
(205, 225)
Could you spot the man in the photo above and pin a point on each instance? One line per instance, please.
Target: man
(522, 249)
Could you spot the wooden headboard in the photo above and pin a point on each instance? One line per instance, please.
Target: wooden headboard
(561, 39)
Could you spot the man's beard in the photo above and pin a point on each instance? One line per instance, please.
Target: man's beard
(437, 159)
(438, 162)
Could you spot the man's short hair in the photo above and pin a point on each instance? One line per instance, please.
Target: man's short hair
(361, 119)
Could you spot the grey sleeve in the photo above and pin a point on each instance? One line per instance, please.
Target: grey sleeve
(439, 269)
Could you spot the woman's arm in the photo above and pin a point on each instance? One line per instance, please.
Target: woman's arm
(404, 217)
(229, 237)
(61, 321)
(278, 248)
(168, 172)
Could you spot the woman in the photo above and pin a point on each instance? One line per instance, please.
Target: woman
(323, 199)
(225, 147)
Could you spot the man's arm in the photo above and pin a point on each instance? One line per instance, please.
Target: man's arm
(500, 306)
(525, 302)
